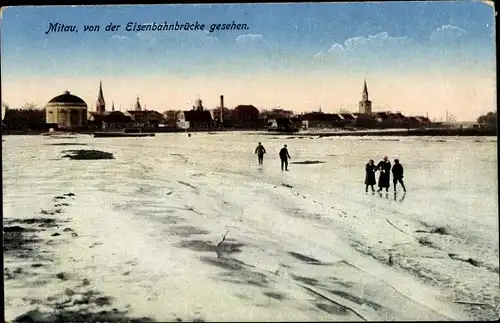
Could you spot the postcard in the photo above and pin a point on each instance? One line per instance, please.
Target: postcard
(250, 162)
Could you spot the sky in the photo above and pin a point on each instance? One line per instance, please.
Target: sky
(417, 57)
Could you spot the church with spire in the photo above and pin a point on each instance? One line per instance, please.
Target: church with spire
(100, 106)
(365, 105)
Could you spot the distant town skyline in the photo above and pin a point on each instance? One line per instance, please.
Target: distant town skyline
(417, 57)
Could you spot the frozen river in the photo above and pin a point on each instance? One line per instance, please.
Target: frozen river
(142, 229)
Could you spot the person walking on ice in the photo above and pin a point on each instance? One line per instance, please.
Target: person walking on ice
(370, 175)
(397, 175)
(260, 151)
(284, 156)
(385, 174)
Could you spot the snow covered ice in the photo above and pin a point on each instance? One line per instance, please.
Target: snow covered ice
(142, 230)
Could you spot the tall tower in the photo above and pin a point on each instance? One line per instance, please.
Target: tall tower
(100, 106)
(113, 106)
(138, 105)
(365, 105)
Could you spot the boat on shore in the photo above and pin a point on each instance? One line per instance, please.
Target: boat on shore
(121, 134)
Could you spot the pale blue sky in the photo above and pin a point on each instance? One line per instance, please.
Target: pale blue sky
(357, 39)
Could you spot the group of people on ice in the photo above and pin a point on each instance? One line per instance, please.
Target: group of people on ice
(284, 156)
(385, 167)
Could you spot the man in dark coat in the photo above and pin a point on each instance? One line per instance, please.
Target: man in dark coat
(385, 174)
(284, 156)
(397, 175)
(260, 151)
(370, 175)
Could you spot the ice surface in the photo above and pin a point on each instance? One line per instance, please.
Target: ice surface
(308, 244)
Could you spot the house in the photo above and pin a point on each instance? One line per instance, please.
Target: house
(198, 118)
(349, 119)
(170, 117)
(366, 121)
(424, 122)
(284, 124)
(321, 120)
(109, 120)
(411, 122)
(145, 118)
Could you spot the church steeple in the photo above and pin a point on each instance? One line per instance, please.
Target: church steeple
(113, 106)
(138, 105)
(100, 106)
(365, 105)
(365, 92)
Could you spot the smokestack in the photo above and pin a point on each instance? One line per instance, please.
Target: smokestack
(221, 108)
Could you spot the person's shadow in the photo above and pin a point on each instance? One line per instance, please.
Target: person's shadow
(402, 197)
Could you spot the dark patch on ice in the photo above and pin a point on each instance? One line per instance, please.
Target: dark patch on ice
(83, 154)
(306, 259)
(237, 271)
(471, 261)
(186, 231)
(332, 308)
(274, 295)
(225, 263)
(341, 283)
(15, 228)
(18, 243)
(206, 246)
(308, 162)
(426, 242)
(67, 144)
(59, 197)
(187, 184)
(436, 230)
(357, 300)
(69, 194)
(62, 276)
(55, 234)
(60, 137)
(170, 219)
(306, 280)
(286, 185)
(64, 313)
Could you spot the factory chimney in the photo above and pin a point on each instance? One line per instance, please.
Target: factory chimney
(221, 108)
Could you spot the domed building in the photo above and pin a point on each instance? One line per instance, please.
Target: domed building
(245, 116)
(67, 110)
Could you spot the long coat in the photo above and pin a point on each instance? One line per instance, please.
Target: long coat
(370, 174)
(385, 174)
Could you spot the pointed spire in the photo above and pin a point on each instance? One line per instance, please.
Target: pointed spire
(365, 88)
(101, 104)
(138, 104)
(113, 106)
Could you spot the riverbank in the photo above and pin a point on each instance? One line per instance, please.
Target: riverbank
(490, 131)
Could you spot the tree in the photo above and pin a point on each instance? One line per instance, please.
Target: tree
(30, 106)
(489, 119)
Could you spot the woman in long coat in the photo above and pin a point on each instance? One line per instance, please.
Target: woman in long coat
(370, 175)
(385, 174)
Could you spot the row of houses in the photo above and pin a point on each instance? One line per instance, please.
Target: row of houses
(373, 120)
(249, 117)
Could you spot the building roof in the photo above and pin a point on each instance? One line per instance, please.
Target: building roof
(67, 99)
(198, 116)
(382, 115)
(246, 108)
(320, 116)
(114, 116)
(347, 116)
